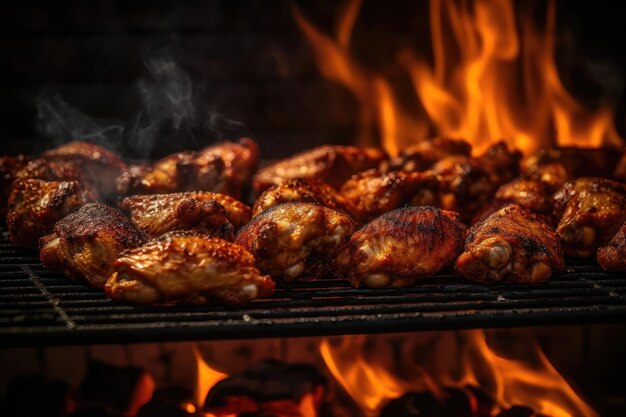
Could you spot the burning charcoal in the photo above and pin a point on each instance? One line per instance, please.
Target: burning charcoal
(120, 390)
(519, 411)
(170, 402)
(51, 398)
(422, 404)
(268, 387)
(457, 403)
(483, 404)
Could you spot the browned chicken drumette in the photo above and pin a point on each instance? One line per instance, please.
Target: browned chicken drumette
(241, 160)
(400, 247)
(512, 245)
(295, 240)
(331, 164)
(187, 267)
(425, 154)
(373, 193)
(99, 166)
(304, 191)
(590, 211)
(612, 257)
(36, 205)
(502, 163)
(576, 162)
(85, 243)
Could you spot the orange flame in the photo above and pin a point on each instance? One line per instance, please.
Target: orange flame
(207, 377)
(473, 91)
(534, 383)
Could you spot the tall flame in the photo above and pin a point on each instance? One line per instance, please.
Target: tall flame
(493, 77)
(534, 382)
(207, 377)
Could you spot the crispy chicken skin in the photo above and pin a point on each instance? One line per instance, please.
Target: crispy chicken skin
(157, 214)
(554, 175)
(241, 160)
(425, 154)
(399, 247)
(612, 257)
(187, 267)
(99, 166)
(331, 164)
(9, 166)
(502, 163)
(291, 241)
(36, 205)
(577, 162)
(512, 245)
(85, 243)
(373, 193)
(237, 212)
(305, 191)
(590, 211)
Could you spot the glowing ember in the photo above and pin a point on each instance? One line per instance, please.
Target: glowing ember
(494, 77)
(464, 359)
(207, 377)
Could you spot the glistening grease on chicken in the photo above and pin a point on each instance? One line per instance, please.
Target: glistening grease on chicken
(512, 245)
(400, 247)
(292, 241)
(612, 256)
(85, 243)
(187, 267)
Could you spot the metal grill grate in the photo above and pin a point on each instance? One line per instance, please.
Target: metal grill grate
(38, 307)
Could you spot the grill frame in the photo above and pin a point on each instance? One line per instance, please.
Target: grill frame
(41, 308)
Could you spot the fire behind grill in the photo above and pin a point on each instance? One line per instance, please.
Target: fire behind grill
(38, 307)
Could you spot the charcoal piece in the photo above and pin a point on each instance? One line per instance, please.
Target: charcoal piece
(519, 411)
(483, 403)
(116, 389)
(32, 395)
(457, 403)
(169, 402)
(414, 404)
(267, 383)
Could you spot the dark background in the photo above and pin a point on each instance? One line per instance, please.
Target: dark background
(249, 68)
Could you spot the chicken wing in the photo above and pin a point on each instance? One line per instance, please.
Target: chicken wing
(373, 193)
(187, 267)
(576, 161)
(99, 166)
(502, 163)
(36, 205)
(157, 214)
(511, 245)
(295, 240)
(85, 243)
(331, 164)
(305, 191)
(590, 211)
(426, 153)
(400, 247)
(554, 175)
(241, 160)
(612, 257)
(237, 212)
(9, 166)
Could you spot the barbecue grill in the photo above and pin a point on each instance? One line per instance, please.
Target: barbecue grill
(43, 308)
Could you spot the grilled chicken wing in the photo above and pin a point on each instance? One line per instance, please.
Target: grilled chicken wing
(554, 175)
(85, 243)
(305, 191)
(294, 240)
(511, 245)
(577, 162)
(9, 166)
(612, 257)
(36, 205)
(425, 154)
(241, 160)
(99, 166)
(590, 211)
(190, 268)
(158, 214)
(329, 163)
(373, 193)
(399, 247)
(502, 163)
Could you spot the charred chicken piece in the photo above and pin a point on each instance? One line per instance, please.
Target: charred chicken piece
(187, 267)
(331, 164)
(36, 205)
(9, 166)
(425, 154)
(577, 162)
(373, 193)
(612, 257)
(85, 243)
(400, 247)
(304, 191)
(237, 212)
(158, 214)
(590, 211)
(531, 194)
(500, 162)
(512, 245)
(554, 175)
(291, 241)
(99, 166)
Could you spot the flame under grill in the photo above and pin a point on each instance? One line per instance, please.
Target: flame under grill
(38, 307)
